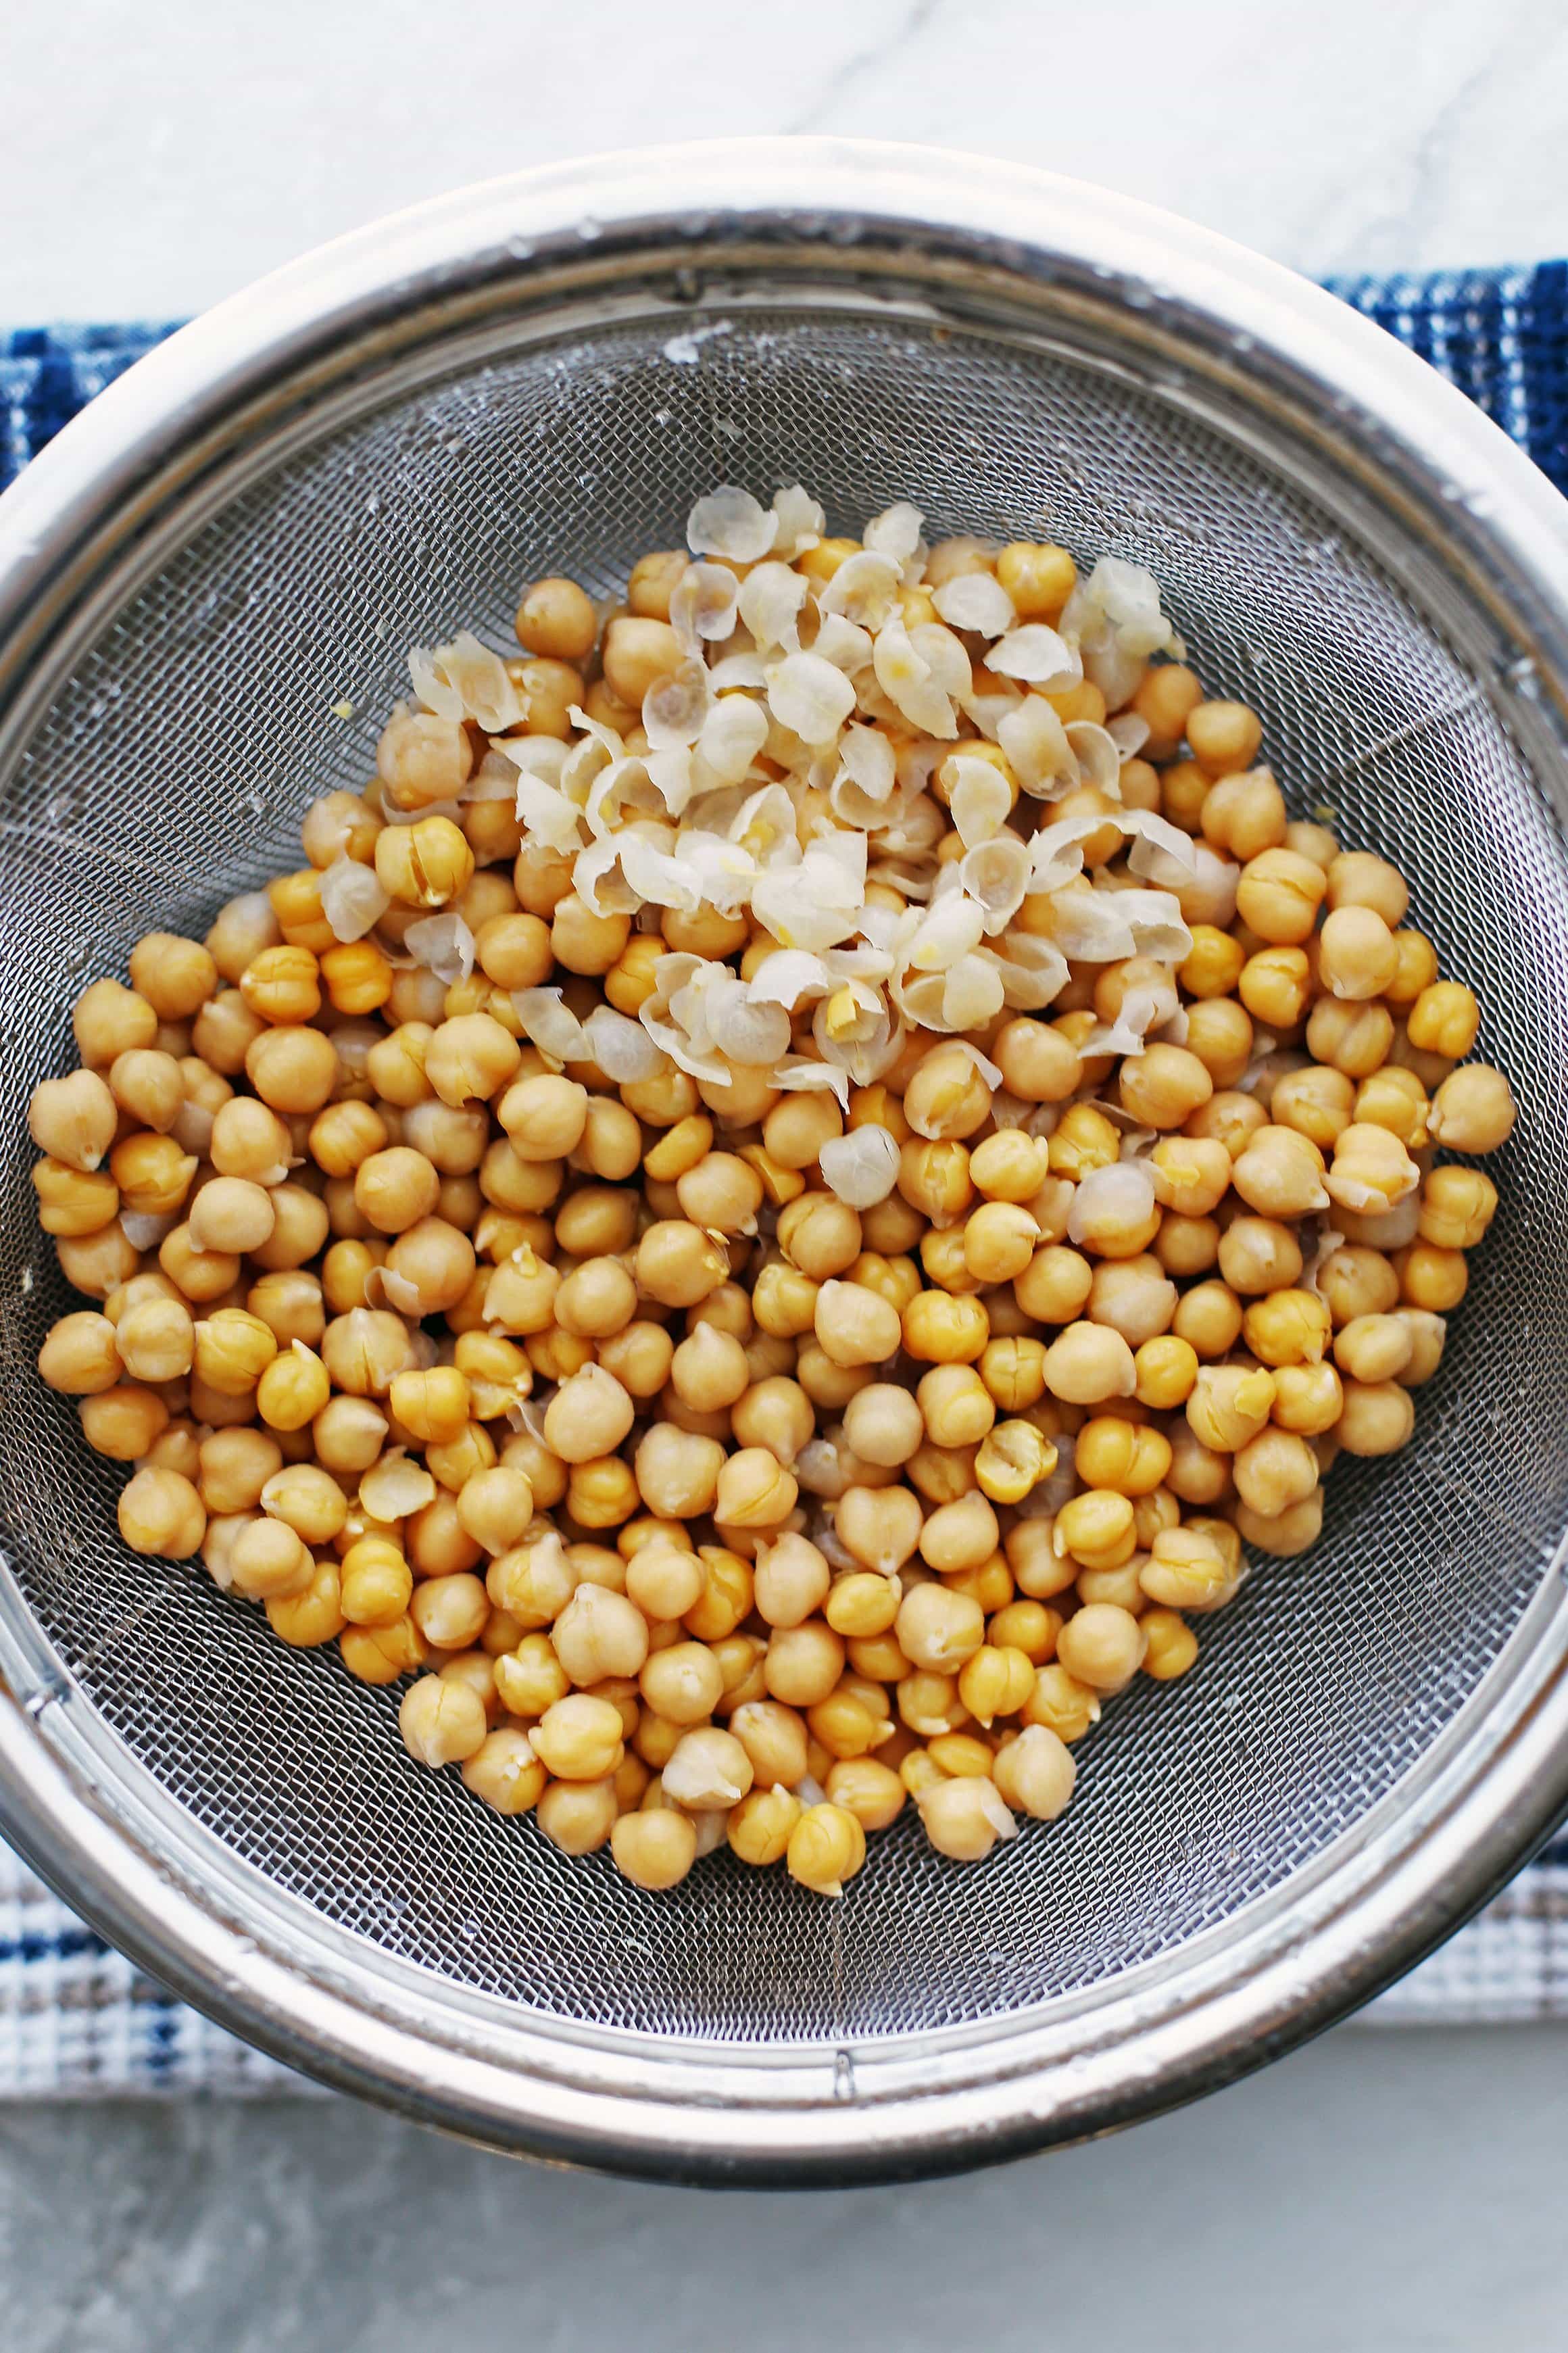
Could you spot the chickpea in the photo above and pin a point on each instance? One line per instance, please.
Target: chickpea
(1432, 1278)
(600, 1633)
(154, 1176)
(381, 1655)
(959, 1535)
(1037, 1061)
(1214, 964)
(854, 1326)
(954, 1405)
(1229, 1405)
(1356, 954)
(1473, 1109)
(122, 1422)
(1187, 1569)
(1457, 1205)
(1371, 1169)
(1444, 1020)
(232, 1349)
(578, 1817)
(1258, 1254)
(1378, 1417)
(1062, 1703)
(1164, 1369)
(941, 1329)
(1191, 1174)
(1307, 1399)
(73, 1202)
(1276, 986)
(1172, 1646)
(1223, 736)
(230, 1214)
(827, 1847)
(1274, 1471)
(1279, 896)
(504, 1771)
(880, 1527)
(160, 1515)
(73, 1119)
(1288, 1327)
(1374, 1348)
(1357, 879)
(1357, 1280)
(556, 617)
(471, 1057)
(307, 1620)
(426, 864)
(1087, 1364)
(1244, 813)
(963, 1819)
(579, 1738)
(293, 1387)
(109, 1020)
(147, 1085)
(1395, 1099)
(753, 1490)
(442, 1723)
(682, 1682)
(1355, 1039)
(267, 1559)
(292, 1070)
(79, 1357)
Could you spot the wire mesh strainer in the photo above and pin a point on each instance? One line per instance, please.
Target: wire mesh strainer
(380, 445)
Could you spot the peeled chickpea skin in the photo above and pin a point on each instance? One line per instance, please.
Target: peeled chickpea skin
(717, 1490)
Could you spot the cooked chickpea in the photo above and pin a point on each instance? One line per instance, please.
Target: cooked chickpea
(754, 1489)
(1473, 1109)
(292, 1070)
(854, 1324)
(162, 1515)
(1279, 896)
(1087, 1364)
(827, 1846)
(1378, 1417)
(683, 1683)
(1223, 736)
(1355, 1039)
(1187, 1569)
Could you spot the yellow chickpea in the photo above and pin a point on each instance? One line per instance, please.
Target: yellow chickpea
(1223, 736)
(426, 864)
(1357, 879)
(1473, 1109)
(1087, 1364)
(1457, 1205)
(939, 1329)
(160, 1515)
(1172, 1646)
(1279, 896)
(1355, 1039)
(825, 1848)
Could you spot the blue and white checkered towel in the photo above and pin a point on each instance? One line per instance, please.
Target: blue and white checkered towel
(75, 2017)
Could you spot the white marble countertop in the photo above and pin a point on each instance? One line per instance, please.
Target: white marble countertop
(154, 158)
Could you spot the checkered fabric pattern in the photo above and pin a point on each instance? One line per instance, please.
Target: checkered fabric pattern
(75, 2018)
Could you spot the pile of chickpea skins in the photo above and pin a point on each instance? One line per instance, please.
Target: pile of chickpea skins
(738, 1452)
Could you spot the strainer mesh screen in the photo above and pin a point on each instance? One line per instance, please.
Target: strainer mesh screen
(172, 771)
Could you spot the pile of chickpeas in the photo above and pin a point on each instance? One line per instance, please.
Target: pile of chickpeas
(701, 1506)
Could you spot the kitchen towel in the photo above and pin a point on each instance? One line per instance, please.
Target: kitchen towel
(75, 2018)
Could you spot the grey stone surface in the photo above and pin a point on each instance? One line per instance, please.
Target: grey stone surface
(1379, 2193)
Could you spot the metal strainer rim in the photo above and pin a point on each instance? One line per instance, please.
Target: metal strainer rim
(74, 1799)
